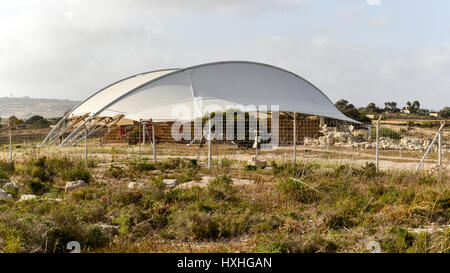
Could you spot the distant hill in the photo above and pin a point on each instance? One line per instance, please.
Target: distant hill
(26, 107)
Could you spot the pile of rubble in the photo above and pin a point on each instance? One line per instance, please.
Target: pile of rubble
(360, 140)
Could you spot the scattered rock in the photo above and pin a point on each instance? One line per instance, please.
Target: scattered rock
(11, 185)
(431, 229)
(5, 196)
(75, 185)
(55, 199)
(136, 185)
(171, 182)
(27, 197)
(108, 230)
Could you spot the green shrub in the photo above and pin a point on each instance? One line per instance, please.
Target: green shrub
(11, 239)
(298, 191)
(250, 167)
(7, 167)
(82, 195)
(41, 170)
(369, 170)
(386, 132)
(125, 222)
(141, 166)
(221, 188)
(3, 175)
(36, 186)
(339, 220)
(115, 171)
(273, 244)
(79, 172)
(95, 238)
(177, 163)
(196, 225)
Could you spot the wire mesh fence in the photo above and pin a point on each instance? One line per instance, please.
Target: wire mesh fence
(252, 141)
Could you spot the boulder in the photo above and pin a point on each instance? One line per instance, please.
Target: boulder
(171, 182)
(27, 197)
(136, 185)
(5, 196)
(75, 185)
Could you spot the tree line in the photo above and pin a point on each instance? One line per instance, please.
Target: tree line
(360, 114)
(34, 122)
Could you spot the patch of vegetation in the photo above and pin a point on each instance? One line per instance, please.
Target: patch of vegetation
(386, 132)
(79, 172)
(298, 191)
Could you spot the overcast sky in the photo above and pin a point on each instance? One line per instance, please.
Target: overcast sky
(360, 50)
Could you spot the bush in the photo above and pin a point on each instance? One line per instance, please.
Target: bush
(298, 191)
(77, 173)
(36, 186)
(221, 188)
(196, 225)
(338, 221)
(95, 237)
(141, 166)
(7, 167)
(369, 170)
(115, 171)
(40, 169)
(11, 239)
(386, 132)
(3, 175)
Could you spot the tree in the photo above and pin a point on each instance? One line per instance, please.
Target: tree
(350, 111)
(413, 107)
(372, 108)
(445, 112)
(40, 124)
(391, 107)
(12, 120)
(33, 119)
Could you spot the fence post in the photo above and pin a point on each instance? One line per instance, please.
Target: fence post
(154, 142)
(85, 147)
(430, 147)
(377, 164)
(440, 148)
(143, 133)
(256, 145)
(10, 147)
(209, 143)
(294, 157)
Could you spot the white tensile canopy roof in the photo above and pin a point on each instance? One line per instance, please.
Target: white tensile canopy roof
(161, 95)
(102, 98)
